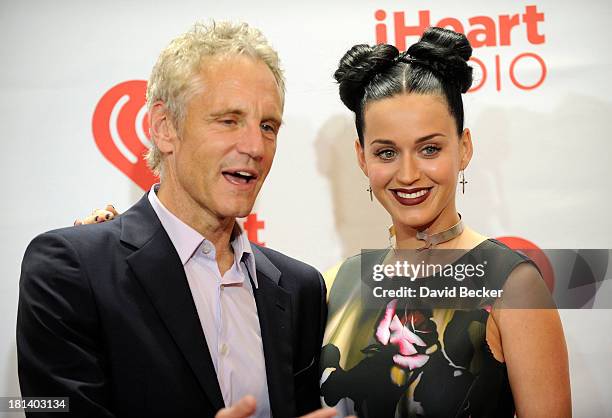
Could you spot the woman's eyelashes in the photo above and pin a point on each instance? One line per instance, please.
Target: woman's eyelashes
(388, 154)
(385, 154)
(430, 150)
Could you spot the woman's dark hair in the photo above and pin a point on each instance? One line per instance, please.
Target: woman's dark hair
(436, 64)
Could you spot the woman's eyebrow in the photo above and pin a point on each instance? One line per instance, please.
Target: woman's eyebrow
(383, 141)
(428, 137)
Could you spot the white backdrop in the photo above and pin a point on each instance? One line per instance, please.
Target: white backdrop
(541, 167)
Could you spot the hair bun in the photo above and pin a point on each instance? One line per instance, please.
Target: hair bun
(446, 52)
(358, 66)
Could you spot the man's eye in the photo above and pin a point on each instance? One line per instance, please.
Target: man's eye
(228, 121)
(430, 150)
(268, 127)
(386, 154)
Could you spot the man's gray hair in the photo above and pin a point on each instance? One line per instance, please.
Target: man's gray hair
(175, 77)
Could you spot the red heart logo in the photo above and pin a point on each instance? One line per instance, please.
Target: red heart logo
(121, 130)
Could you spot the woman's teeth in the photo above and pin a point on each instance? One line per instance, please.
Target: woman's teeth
(412, 195)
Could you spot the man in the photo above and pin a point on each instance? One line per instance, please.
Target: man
(169, 310)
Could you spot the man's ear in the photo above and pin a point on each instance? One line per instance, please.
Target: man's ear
(163, 132)
(361, 157)
(465, 149)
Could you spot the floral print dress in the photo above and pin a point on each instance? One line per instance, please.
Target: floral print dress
(396, 361)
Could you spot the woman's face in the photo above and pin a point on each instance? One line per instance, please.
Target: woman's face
(412, 156)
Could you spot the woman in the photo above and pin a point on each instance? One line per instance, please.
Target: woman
(395, 360)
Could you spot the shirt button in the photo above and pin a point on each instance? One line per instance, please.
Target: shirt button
(224, 349)
(206, 248)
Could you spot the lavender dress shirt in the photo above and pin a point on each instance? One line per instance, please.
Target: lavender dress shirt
(226, 308)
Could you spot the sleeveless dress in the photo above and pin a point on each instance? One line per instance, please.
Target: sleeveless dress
(461, 376)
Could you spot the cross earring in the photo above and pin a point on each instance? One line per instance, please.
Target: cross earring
(369, 189)
(463, 182)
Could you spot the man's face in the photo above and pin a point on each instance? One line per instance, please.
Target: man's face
(225, 148)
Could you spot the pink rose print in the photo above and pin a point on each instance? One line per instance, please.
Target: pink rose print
(391, 331)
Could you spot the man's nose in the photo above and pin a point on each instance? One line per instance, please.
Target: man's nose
(251, 141)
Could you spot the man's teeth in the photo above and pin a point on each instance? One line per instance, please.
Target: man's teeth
(412, 195)
(244, 173)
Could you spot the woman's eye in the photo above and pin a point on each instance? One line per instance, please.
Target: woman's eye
(430, 150)
(386, 154)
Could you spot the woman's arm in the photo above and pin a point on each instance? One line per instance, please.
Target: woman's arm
(533, 346)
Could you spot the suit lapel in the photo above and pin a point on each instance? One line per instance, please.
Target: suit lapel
(159, 270)
(274, 311)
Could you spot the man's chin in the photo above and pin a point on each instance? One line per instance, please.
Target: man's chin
(240, 212)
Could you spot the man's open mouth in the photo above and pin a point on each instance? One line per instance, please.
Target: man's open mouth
(240, 176)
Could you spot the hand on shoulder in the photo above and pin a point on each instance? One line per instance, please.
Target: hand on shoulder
(98, 216)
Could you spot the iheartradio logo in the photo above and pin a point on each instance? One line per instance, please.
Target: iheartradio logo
(121, 130)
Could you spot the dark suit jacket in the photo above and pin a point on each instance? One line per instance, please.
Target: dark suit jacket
(106, 317)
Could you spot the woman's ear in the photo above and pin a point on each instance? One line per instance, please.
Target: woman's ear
(465, 149)
(163, 132)
(361, 157)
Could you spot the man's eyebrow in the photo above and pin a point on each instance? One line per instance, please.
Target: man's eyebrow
(275, 119)
(228, 111)
(239, 112)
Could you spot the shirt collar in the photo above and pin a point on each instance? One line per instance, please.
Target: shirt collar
(243, 251)
(186, 240)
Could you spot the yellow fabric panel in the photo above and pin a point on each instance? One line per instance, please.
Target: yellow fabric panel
(330, 275)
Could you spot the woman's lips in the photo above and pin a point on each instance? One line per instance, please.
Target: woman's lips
(411, 197)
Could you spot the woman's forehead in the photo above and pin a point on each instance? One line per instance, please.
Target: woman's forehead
(408, 115)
